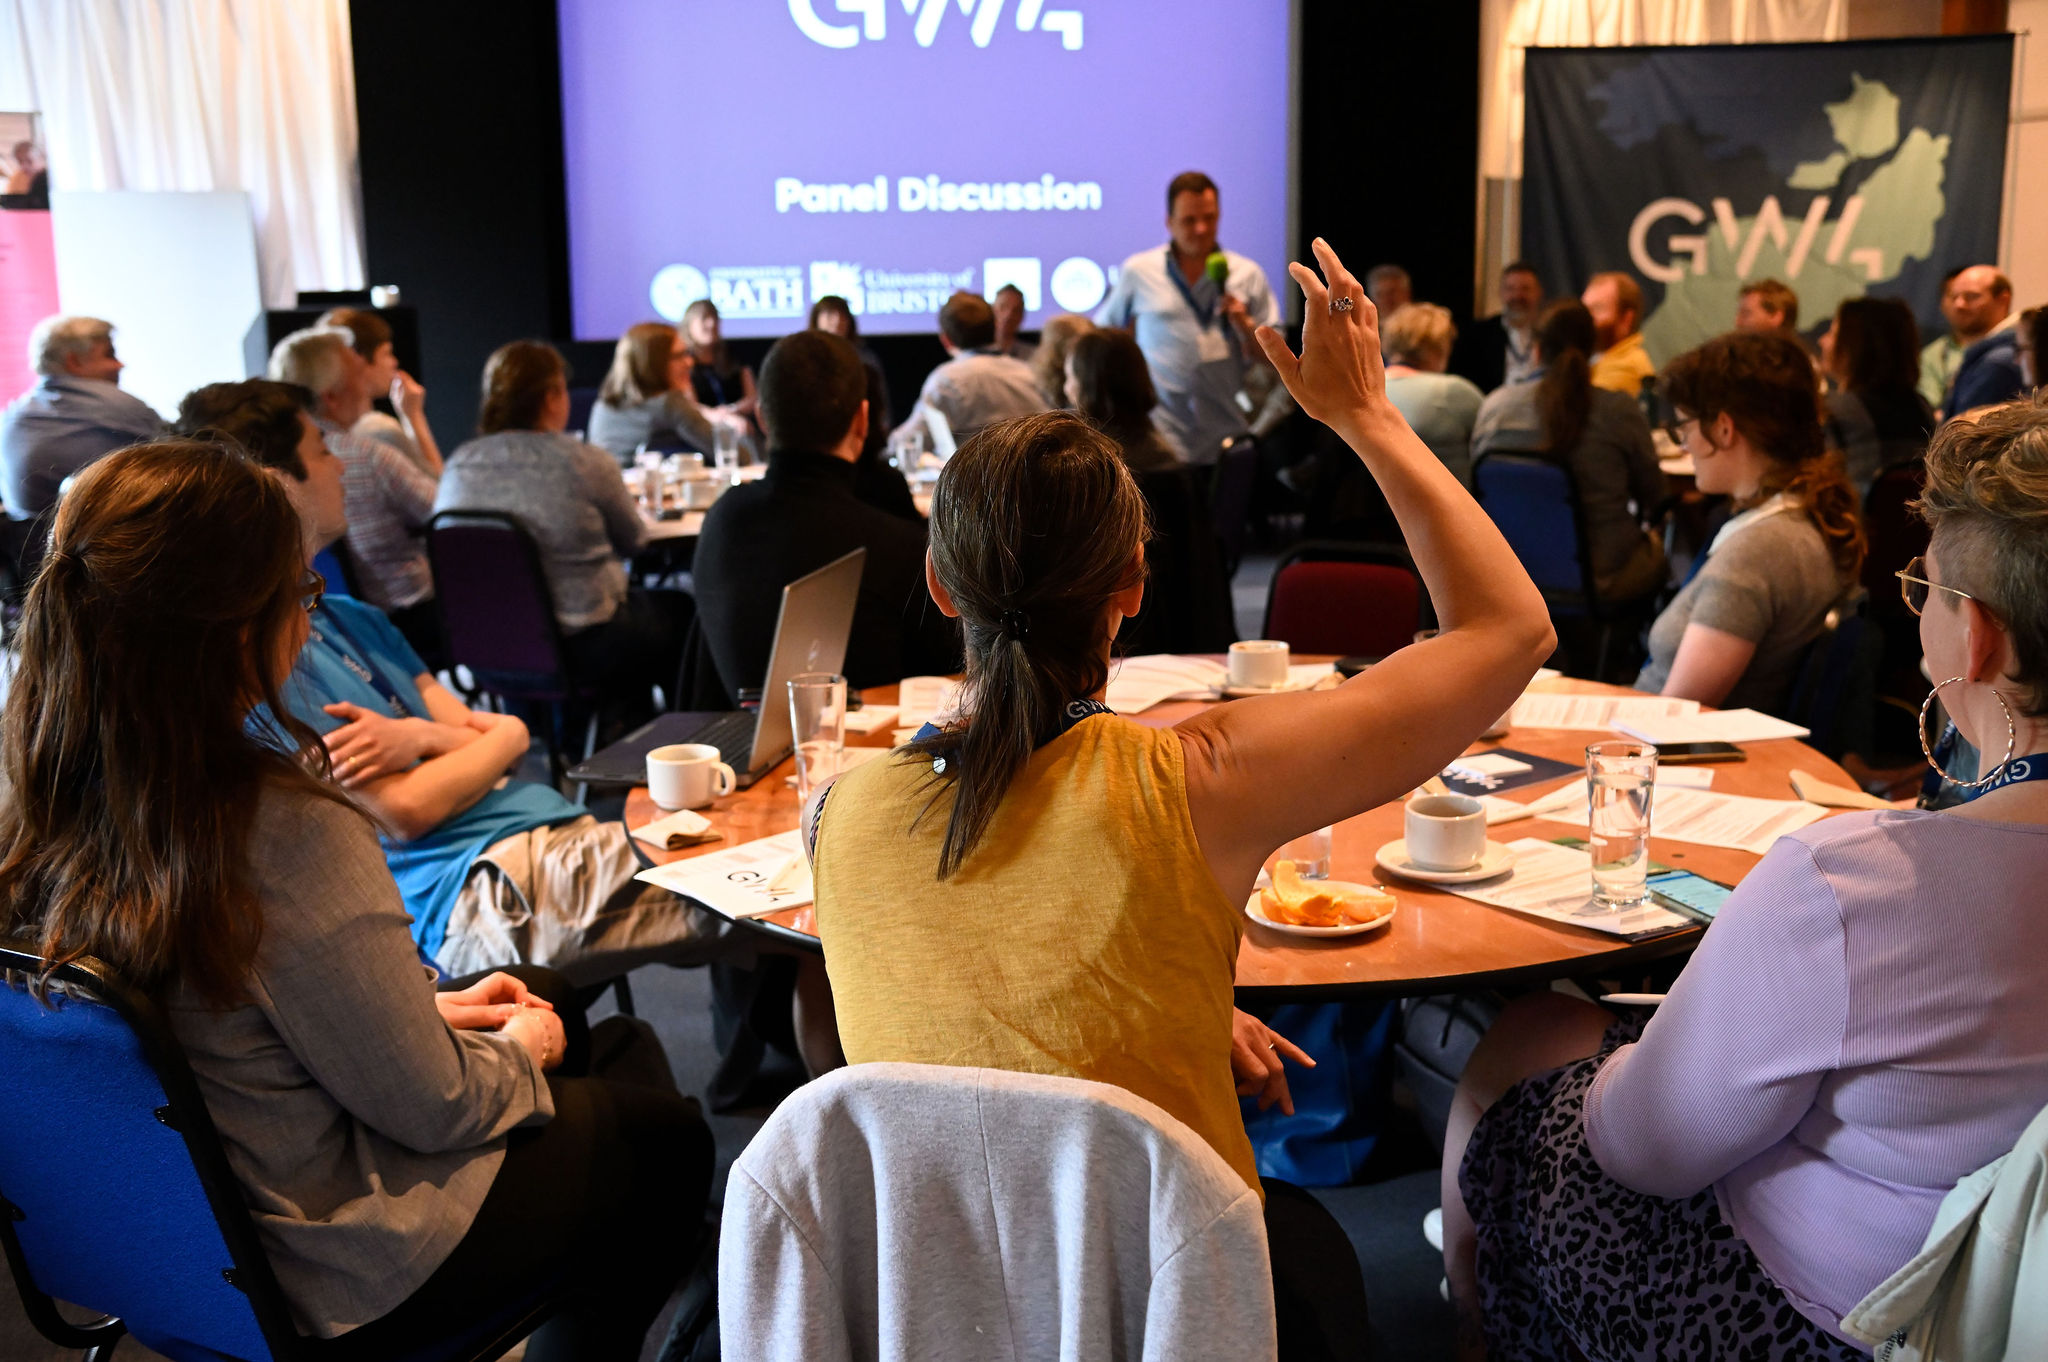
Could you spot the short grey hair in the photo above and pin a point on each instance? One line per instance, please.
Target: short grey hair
(1417, 331)
(316, 358)
(57, 339)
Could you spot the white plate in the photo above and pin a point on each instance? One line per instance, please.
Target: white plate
(1252, 911)
(1496, 860)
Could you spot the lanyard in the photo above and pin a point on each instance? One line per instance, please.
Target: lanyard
(2018, 771)
(1204, 315)
(398, 707)
(1074, 713)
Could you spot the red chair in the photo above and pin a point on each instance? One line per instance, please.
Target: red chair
(1346, 599)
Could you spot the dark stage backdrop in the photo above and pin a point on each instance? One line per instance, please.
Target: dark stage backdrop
(1839, 168)
(461, 156)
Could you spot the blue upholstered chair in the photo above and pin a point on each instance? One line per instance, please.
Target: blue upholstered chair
(115, 1193)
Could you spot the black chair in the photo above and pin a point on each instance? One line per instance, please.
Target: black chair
(23, 543)
(116, 1195)
(498, 621)
(1230, 498)
(1330, 596)
(1834, 692)
(1187, 605)
(1535, 505)
(581, 402)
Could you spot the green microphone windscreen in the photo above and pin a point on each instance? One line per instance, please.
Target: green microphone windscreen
(1217, 267)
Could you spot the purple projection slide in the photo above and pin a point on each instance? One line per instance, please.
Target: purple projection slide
(764, 153)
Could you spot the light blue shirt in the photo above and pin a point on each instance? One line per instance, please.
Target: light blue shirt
(353, 653)
(1197, 361)
(58, 427)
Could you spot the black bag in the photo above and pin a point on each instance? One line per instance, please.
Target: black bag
(1434, 1043)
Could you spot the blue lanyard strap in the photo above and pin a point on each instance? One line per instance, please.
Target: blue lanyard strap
(2018, 771)
(1204, 315)
(398, 707)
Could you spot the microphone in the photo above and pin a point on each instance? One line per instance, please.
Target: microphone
(1217, 267)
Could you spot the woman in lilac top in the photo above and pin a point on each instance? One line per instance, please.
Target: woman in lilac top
(1865, 1024)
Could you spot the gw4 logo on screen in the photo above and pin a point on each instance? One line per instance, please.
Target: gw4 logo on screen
(986, 14)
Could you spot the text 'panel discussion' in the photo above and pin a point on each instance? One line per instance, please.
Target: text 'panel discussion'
(1023, 680)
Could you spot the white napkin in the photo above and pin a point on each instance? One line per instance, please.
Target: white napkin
(683, 828)
(869, 718)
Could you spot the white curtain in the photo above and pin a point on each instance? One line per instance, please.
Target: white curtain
(1510, 27)
(255, 95)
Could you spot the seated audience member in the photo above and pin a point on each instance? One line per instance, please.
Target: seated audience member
(1187, 605)
(975, 387)
(647, 397)
(803, 514)
(390, 499)
(1389, 288)
(1989, 371)
(75, 413)
(834, 314)
(569, 496)
(1601, 437)
(1439, 407)
(2031, 335)
(492, 871)
(1502, 349)
(1049, 362)
(1866, 1024)
(1875, 415)
(722, 386)
(1009, 308)
(1940, 357)
(1108, 383)
(27, 189)
(413, 1160)
(408, 431)
(1620, 363)
(1747, 414)
(1106, 863)
(1767, 305)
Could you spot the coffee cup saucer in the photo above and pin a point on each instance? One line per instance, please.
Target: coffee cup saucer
(1236, 692)
(1495, 860)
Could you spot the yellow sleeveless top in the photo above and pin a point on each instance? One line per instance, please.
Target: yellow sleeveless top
(1084, 936)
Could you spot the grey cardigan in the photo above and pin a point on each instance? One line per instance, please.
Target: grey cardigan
(570, 498)
(365, 1133)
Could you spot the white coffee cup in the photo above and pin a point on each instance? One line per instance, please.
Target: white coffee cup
(1260, 662)
(1445, 832)
(687, 775)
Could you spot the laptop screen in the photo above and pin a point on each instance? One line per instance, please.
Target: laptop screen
(810, 636)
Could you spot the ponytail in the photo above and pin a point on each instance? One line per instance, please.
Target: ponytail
(1564, 399)
(1036, 527)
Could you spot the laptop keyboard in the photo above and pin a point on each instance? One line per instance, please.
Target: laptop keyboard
(732, 735)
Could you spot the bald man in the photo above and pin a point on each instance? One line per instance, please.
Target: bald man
(1979, 306)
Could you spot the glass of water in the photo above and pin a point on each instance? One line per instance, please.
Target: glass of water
(725, 442)
(1310, 854)
(817, 722)
(1620, 780)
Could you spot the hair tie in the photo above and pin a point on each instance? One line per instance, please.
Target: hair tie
(1016, 624)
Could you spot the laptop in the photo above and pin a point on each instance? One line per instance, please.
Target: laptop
(811, 630)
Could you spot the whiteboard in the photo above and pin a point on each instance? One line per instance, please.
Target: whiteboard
(174, 272)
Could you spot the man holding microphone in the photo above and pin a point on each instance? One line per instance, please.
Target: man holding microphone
(1194, 308)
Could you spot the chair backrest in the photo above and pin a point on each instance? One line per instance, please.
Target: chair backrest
(1893, 531)
(940, 1205)
(497, 614)
(1834, 692)
(1347, 599)
(1230, 497)
(1535, 506)
(1187, 605)
(119, 1196)
(581, 402)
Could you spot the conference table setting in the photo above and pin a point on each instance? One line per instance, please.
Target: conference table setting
(1481, 879)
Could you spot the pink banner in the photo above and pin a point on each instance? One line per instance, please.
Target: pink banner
(28, 293)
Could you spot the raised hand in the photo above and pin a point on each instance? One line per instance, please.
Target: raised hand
(1339, 372)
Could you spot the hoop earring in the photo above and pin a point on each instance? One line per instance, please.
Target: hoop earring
(2011, 737)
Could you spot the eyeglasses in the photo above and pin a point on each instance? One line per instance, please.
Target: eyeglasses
(312, 587)
(1913, 585)
(1676, 429)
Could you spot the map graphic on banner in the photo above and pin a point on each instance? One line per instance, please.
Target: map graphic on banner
(1840, 169)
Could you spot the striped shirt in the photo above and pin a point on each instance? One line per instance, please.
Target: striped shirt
(388, 499)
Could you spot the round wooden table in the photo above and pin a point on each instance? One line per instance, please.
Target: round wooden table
(1438, 942)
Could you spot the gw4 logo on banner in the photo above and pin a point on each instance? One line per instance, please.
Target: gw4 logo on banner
(1769, 224)
(985, 15)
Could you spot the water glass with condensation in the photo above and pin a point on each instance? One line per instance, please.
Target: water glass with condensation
(1621, 778)
(1310, 854)
(817, 724)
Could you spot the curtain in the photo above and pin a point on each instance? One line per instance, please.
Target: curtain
(1509, 27)
(255, 95)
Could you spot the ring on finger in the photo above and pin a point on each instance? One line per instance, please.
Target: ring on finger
(1342, 304)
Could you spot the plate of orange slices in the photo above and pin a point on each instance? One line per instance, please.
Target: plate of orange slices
(1302, 907)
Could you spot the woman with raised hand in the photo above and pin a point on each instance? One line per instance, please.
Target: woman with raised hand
(1038, 884)
(414, 1160)
(1865, 1025)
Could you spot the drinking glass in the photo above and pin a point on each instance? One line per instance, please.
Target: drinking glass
(725, 448)
(1310, 854)
(1620, 780)
(817, 722)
